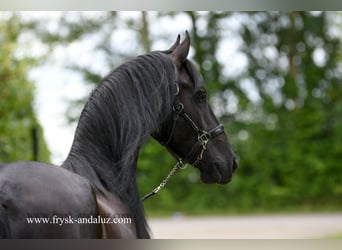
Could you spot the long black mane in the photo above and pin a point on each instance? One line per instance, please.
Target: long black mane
(121, 113)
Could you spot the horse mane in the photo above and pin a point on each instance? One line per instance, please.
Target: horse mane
(129, 104)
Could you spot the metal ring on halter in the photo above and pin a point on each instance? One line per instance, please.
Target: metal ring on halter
(177, 90)
(178, 108)
(181, 164)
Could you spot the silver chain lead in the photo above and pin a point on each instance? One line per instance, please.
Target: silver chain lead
(177, 166)
(203, 139)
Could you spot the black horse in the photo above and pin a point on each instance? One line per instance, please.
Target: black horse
(160, 94)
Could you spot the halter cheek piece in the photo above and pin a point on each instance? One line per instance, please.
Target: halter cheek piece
(203, 137)
(195, 155)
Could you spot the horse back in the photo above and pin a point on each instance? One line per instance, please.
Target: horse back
(40, 200)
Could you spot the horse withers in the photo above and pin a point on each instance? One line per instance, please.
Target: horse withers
(94, 193)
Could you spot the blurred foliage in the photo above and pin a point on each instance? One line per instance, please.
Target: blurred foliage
(292, 154)
(17, 117)
(282, 108)
(286, 128)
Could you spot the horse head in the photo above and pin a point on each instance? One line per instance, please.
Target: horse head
(192, 132)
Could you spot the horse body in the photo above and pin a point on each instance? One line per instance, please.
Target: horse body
(98, 178)
(42, 191)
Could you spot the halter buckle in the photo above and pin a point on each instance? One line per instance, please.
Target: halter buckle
(204, 138)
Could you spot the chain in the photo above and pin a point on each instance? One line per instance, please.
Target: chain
(200, 156)
(203, 139)
(177, 166)
(180, 165)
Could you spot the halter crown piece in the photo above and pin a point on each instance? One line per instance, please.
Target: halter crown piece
(195, 155)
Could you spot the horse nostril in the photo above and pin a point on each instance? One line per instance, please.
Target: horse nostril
(235, 164)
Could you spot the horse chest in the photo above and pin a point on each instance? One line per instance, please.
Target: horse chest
(115, 219)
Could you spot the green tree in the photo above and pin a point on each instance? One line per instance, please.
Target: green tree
(294, 136)
(17, 116)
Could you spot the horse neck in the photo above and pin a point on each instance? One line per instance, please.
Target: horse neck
(112, 127)
(102, 158)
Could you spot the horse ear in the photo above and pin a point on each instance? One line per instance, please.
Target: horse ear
(172, 48)
(180, 53)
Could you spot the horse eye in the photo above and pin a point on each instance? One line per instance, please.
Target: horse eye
(201, 96)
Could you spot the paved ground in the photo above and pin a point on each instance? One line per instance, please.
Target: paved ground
(307, 226)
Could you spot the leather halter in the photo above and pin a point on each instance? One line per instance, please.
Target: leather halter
(195, 155)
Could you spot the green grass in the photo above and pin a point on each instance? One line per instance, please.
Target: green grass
(337, 236)
(233, 211)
